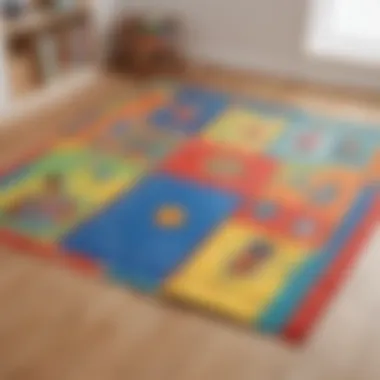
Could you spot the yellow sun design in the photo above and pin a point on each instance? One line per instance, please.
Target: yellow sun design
(170, 216)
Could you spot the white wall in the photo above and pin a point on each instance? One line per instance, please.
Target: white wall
(258, 34)
(105, 11)
(4, 88)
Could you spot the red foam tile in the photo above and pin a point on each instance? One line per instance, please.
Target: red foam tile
(284, 220)
(221, 167)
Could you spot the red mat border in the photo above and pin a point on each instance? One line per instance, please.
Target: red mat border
(322, 293)
(49, 251)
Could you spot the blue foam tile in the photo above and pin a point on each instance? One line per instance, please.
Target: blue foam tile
(205, 106)
(127, 239)
(336, 142)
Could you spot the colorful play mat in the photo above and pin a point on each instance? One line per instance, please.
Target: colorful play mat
(251, 210)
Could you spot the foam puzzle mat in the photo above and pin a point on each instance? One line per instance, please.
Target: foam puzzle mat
(249, 209)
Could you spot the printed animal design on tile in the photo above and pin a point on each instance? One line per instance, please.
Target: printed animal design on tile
(250, 258)
(51, 203)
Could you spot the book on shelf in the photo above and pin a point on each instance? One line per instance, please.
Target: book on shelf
(64, 5)
(80, 45)
(22, 71)
(63, 42)
(13, 9)
(47, 52)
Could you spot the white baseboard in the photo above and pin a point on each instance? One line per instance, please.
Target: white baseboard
(300, 68)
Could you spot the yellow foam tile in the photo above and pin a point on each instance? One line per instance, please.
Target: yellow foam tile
(52, 163)
(89, 193)
(30, 186)
(80, 183)
(244, 129)
(206, 280)
(84, 186)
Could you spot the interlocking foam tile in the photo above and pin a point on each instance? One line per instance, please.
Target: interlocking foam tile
(66, 185)
(269, 109)
(221, 167)
(296, 222)
(134, 110)
(327, 191)
(354, 147)
(190, 110)
(14, 177)
(38, 163)
(51, 162)
(245, 129)
(238, 271)
(146, 234)
(137, 143)
(304, 143)
(321, 141)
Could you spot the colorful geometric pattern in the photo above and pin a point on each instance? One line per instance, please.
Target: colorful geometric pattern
(145, 249)
(252, 210)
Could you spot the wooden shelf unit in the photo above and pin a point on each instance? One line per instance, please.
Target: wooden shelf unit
(44, 49)
(42, 21)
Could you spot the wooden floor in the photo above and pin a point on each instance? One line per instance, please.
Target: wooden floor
(55, 325)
